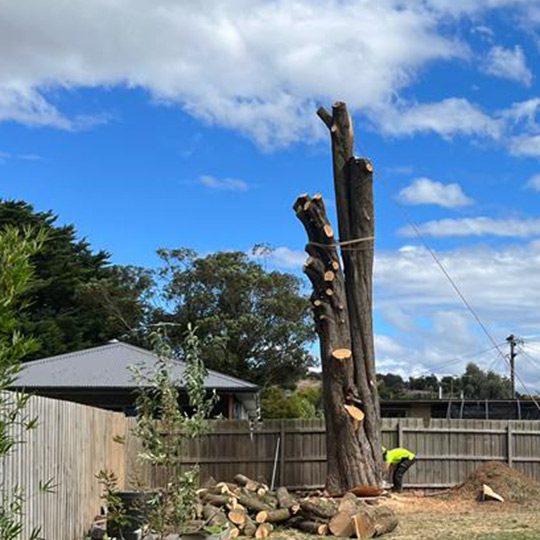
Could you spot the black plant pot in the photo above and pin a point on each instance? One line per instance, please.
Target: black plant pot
(135, 506)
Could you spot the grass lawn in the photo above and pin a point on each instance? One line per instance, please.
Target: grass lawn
(431, 518)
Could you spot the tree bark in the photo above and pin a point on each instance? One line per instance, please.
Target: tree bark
(342, 305)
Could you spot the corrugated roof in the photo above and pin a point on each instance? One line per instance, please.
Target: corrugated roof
(107, 366)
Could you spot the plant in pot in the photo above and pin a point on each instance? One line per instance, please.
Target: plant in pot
(164, 428)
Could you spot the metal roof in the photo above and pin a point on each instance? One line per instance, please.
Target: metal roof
(107, 366)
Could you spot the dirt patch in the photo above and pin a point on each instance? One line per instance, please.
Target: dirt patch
(512, 485)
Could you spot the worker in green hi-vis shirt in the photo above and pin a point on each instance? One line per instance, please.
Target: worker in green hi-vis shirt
(398, 461)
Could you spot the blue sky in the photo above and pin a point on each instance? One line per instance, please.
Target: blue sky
(166, 124)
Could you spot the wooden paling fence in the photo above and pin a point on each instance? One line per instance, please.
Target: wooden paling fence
(70, 445)
(73, 443)
(448, 450)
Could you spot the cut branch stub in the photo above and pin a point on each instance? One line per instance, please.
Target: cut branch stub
(341, 354)
(354, 412)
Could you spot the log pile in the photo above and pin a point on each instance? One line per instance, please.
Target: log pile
(247, 508)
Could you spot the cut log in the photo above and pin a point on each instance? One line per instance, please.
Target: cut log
(273, 516)
(262, 491)
(216, 500)
(313, 527)
(224, 488)
(232, 532)
(244, 481)
(342, 523)
(214, 516)
(341, 354)
(489, 495)
(329, 275)
(374, 521)
(253, 502)
(328, 231)
(264, 530)
(249, 527)
(319, 508)
(354, 412)
(286, 500)
(237, 516)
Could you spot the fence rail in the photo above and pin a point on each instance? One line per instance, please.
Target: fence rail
(448, 450)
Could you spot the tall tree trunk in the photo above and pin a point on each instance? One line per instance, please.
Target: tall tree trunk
(342, 302)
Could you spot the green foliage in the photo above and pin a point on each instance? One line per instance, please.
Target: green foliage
(116, 513)
(164, 440)
(16, 274)
(278, 403)
(77, 299)
(253, 323)
(391, 386)
(474, 383)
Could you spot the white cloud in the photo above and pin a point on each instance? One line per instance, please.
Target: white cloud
(477, 226)
(284, 257)
(484, 31)
(433, 330)
(426, 191)
(387, 345)
(497, 281)
(525, 145)
(502, 285)
(508, 64)
(26, 106)
(8, 156)
(226, 184)
(452, 116)
(221, 62)
(534, 182)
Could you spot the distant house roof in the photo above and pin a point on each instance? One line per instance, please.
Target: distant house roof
(107, 366)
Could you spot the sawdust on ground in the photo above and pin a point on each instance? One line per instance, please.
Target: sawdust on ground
(511, 484)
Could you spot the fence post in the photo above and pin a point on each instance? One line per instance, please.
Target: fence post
(509, 453)
(282, 455)
(399, 434)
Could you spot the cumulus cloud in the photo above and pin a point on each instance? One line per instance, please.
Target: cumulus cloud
(525, 145)
(452, 116)
(224, 64)
(431, 325)
(227, 184)
(427, 191)
(499, 281)
(502, 284)
(221, 62)
(284, 257)
(508, 64)
(477, 226)
(534, 182)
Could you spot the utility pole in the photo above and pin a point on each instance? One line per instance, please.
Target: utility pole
(512, 341)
